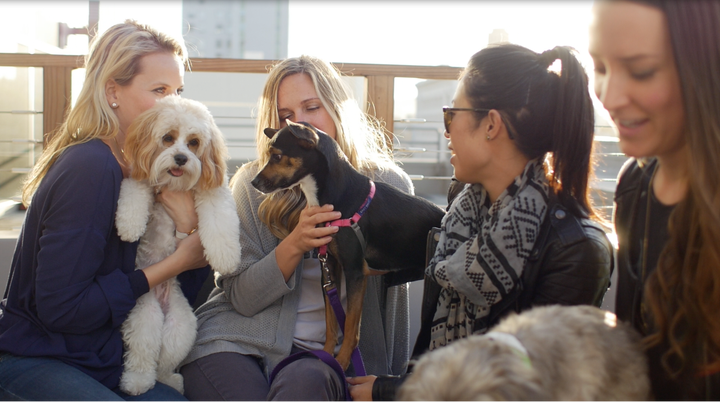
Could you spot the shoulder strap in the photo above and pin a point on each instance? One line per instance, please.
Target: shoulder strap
(631, 175)
(566, 224)
(627, 193)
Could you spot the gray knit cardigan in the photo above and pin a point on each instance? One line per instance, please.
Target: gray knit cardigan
(253, 310)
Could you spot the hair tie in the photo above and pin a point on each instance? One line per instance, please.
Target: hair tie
(548, 57)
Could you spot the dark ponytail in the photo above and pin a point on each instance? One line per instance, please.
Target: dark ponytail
(543, 111)
(573, 131)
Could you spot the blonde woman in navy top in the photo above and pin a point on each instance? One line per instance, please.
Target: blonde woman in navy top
(73, 281)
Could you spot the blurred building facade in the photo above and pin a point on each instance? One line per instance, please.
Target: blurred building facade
(236, 29)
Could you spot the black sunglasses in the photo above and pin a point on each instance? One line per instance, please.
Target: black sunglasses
(449, 112)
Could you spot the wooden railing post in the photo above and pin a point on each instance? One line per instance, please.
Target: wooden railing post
(380, 102)
(56, 97)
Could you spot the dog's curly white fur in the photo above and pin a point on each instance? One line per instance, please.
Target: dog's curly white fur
(566, 353)
(177, 146)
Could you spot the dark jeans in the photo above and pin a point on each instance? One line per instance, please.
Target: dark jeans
(47, 379)
(237, 377)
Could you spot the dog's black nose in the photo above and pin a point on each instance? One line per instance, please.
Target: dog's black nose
(181, 159)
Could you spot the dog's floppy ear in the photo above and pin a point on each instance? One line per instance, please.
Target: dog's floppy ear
(140, 147)
(214, 160)
(305, 133)
(270, 132)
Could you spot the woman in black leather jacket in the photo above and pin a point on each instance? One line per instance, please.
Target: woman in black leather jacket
(513, 237)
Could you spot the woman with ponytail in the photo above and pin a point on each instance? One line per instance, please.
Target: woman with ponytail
(521, 138)
(656, 72)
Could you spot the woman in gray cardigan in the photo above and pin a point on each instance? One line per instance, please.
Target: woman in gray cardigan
(272, 306)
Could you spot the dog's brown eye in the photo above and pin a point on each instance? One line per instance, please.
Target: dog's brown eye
(194, 143)
(168, 138)
(276, 157)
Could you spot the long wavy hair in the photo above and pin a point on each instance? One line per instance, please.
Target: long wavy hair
(114, 55)
(683, 293)
(360, 137)
(545, 112)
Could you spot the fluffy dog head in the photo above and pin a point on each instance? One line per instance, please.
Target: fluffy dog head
(473, 369)
(559, 353)
(176, 145)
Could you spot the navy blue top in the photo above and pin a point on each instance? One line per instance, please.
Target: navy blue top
(73, 281)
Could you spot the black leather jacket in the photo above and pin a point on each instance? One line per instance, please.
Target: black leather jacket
(570, 264)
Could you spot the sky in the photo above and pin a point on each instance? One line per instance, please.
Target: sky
(384, 32)
(431, 32)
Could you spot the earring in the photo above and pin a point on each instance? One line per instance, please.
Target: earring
(114, 105)
(487, 138)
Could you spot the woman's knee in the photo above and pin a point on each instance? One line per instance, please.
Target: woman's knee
(307, 379)
(39, 378)
(311, 371)
(224, 376)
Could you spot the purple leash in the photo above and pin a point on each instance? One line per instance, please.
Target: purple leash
(331, 291)
(325, 357)
(332, 294)
(356, 358)
(329, 285)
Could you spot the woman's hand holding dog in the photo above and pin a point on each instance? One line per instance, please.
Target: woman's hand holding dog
(188, 255)
(305, 237)
(180, 205)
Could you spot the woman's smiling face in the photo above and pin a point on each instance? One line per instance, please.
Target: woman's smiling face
(470, 152)
(636, 78)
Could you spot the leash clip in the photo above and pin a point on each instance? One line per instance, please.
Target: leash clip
(327, 282)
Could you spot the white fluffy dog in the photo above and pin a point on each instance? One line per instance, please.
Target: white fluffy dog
(555, 353)
(177, 146)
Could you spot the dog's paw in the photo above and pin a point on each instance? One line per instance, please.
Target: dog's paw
(133, 210)
(174, 380)
(343, 362)
(134, 383)
(224, 260)
(219, 228)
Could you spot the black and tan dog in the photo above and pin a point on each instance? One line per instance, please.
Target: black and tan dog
(394, 226)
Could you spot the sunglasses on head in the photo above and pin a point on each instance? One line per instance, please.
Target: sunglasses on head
(449, 112)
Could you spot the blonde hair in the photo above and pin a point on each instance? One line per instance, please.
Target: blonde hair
(361, 138)
(114, 55)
